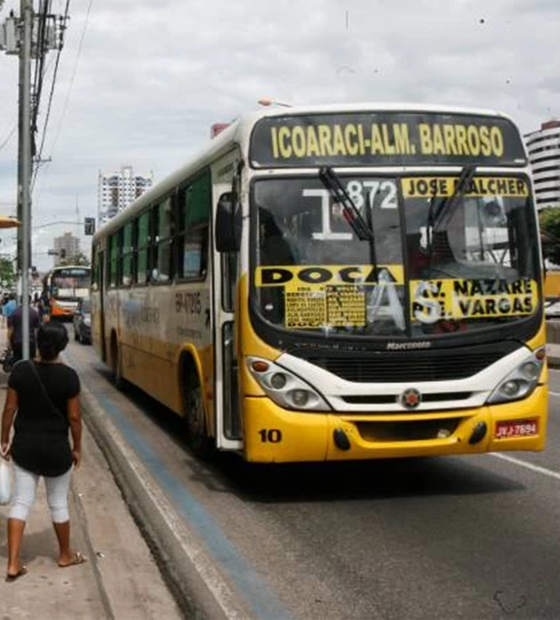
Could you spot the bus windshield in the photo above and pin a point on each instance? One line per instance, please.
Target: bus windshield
(70, 284)
(444, 261)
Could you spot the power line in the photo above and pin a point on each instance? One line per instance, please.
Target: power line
(49, 105)
(66, 102)
(73, 73)
(5, 143)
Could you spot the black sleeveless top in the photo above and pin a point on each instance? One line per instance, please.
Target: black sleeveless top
(40, 444)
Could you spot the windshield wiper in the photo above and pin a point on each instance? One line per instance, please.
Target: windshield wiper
(362, 228)
(437, 217)
(350, 211)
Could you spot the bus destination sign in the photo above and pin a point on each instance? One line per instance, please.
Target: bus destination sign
(385, 139)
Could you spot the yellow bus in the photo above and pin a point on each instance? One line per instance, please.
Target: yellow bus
(335, 283)
(63, 287)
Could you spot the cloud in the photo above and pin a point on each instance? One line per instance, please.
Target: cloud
(151, 78)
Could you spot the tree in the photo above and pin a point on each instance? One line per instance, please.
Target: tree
(77, 259)
(7, 272)
(549, 220)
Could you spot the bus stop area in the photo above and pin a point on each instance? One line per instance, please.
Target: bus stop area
(120, 578)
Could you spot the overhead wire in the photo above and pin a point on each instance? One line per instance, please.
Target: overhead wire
(40, 53)
(73, 76)
(75, 70)
(49, 105)
(8, 137)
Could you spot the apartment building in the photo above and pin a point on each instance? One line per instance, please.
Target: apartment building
(65, 247)
(543, 146)
(116, 190)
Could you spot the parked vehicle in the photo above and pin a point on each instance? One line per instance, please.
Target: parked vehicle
(82, 321)
(552, 309)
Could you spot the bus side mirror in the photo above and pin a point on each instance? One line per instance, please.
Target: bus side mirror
(228, 224)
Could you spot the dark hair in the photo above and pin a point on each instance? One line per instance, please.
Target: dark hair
(52, 338)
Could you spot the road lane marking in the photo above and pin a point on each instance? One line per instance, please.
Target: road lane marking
(535, 468)
(554, 393)
(221, 554)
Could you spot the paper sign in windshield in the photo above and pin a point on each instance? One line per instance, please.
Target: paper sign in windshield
(327, 295)
(434, 300)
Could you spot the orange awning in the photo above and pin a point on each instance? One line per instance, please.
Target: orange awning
(8, 222)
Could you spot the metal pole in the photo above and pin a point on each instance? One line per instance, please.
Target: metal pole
(26, 16)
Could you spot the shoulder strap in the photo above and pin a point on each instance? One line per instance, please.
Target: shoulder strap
(43, 389)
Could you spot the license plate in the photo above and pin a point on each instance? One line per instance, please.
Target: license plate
(516, 428)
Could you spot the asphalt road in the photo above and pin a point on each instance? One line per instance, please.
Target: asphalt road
(443, 538)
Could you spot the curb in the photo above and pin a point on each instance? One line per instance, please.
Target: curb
(199, 588)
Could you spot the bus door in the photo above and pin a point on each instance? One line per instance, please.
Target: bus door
(225, 180)
(101, 297)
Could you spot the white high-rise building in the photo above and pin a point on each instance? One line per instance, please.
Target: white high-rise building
(117, 190)
(544, 154)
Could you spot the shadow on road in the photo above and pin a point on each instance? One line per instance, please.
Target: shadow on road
(226, 472)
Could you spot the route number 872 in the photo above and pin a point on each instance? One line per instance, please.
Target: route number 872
(386, 190)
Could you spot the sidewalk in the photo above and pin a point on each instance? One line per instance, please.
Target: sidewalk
(120, 579)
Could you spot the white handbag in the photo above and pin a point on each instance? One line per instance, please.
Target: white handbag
(5, 482)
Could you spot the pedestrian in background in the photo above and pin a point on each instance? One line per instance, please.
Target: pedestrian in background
(9, 306)
(46, 396)
(15, 332)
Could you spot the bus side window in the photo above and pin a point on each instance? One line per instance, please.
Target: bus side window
(162, 256)
(193, 229)
(134, 266)
(113, 259)
(126, 272)
(143, 248)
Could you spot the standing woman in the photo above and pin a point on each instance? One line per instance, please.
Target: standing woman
(46, 396)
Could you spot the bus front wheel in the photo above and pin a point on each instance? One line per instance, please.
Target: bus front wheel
(116, 363)
(195, 418)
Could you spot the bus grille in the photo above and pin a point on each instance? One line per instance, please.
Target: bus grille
(429, 365)
(416, 430)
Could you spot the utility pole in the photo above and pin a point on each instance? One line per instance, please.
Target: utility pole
(28, 36)
(24, 164)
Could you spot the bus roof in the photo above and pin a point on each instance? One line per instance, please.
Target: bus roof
(239, 132)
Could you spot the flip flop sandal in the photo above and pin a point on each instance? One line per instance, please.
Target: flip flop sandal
(21, 572)
(78, 559)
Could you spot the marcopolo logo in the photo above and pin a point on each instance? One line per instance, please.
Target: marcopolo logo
(408, 346)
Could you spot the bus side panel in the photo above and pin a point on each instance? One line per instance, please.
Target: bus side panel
(156, 323)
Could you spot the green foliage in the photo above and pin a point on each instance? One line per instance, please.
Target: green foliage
(7, 272)
(549, 220)
(78, 259)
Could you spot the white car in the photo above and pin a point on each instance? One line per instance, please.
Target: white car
(552, 309)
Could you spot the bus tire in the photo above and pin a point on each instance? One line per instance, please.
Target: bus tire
(197, 434)
(116, 363)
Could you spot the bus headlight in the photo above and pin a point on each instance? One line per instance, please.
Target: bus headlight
(284, 387)
(521, 381)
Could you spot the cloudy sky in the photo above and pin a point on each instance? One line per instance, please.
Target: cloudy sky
(140, 83)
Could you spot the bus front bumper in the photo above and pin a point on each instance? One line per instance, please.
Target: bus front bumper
(275, 435)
